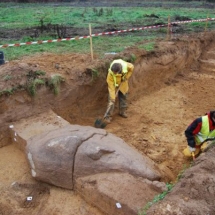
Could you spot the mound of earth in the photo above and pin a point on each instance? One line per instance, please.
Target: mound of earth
(170, 87)
(193, 193)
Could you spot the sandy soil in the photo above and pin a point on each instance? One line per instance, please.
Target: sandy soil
(164, 98)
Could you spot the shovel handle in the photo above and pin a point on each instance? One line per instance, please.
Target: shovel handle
(106, 113)
(116, 94)
(193, 155)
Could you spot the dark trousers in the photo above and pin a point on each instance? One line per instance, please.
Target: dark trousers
(122, 104)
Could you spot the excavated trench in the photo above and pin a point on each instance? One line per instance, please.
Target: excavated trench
(82, 100)
(163, 99)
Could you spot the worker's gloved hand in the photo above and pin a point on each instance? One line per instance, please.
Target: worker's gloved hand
(192, 149)
(124, 78)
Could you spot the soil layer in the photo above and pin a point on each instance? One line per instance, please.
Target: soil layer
(169, 88)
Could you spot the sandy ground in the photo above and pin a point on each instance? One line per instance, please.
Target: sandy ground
(155, 127)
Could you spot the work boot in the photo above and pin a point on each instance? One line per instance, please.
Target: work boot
(123, 114)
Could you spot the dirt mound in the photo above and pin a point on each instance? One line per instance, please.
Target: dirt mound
(170, 87)
(193, 193)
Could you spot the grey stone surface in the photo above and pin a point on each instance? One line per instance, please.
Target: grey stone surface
(62, 155)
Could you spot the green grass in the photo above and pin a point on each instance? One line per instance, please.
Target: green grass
(101, 45)
(148, 46)
(22, 16)
(162, 195)
(7, 77)
(95, 74)
(33, 85)
(29, 15)
(54, 83)
(156, 199)
(8, 92)
(35, 79)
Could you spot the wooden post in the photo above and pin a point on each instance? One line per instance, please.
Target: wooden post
(206, 24)
(168, 29)
(91, 42)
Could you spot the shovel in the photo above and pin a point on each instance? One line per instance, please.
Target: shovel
(100, 123)
(193, 155)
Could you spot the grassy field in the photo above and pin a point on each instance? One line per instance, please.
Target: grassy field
(31, 15)
(33, 22)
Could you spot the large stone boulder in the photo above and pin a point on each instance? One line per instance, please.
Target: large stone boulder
(101, 167)
(118, 193)
(74, 151)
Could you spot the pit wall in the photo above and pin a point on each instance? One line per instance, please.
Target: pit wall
(172, 58)
(152, 71)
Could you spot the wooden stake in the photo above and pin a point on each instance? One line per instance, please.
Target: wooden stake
(168, 29)
(206, 25)
(91, 42)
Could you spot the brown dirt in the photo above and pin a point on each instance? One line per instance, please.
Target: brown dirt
(170, 87)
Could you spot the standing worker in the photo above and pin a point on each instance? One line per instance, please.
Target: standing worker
(198, 132)
(117, 79)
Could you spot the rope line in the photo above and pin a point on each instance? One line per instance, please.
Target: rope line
(102, 34)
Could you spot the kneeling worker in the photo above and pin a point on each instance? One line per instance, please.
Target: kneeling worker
(198, 132)
(118, 74)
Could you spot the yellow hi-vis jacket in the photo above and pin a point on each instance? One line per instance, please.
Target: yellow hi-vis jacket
(205, 132)
(114, 80)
